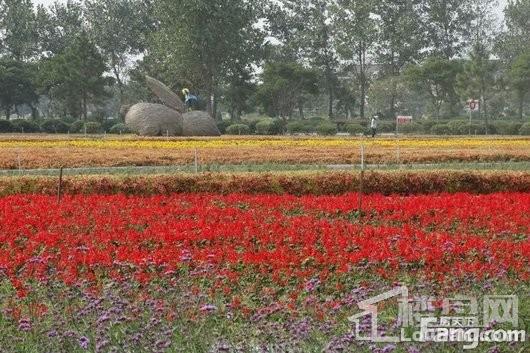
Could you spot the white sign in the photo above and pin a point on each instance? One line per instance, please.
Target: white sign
(473, 105)
(404, 119)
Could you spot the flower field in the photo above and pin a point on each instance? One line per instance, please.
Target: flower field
(252, 262)
(50, 152)
(243, 273)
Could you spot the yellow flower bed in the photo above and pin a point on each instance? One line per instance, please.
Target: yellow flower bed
(446, 143)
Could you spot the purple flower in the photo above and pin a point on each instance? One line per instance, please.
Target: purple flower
(389, 348)
(83, 342)
(413, 350)
(208, 308)
(24, 325)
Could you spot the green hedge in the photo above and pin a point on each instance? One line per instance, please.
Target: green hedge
(55, 126)
(327, 129)
(6, 126)
(238, 129)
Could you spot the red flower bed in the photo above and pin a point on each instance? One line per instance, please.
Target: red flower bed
(282, 238)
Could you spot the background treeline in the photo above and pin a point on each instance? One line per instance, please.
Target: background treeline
(269, 67)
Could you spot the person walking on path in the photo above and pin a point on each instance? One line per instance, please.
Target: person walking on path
(373, 125)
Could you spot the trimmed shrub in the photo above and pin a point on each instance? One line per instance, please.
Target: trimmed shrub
(119, 129)
(55, 126)
(109, 123)
(264, 127)
(77, 127)
(427, 126)
(221, 125)
(6, 126)
(354, 129)
(296, 127)
(441, 129)
(411, 128)
(507, 128)
(327, 129)
(278, 127)
(525, 130)
(25, 126)
(238, 129)
(458, 127)
(404, 183)
(93, 127)
(386, 127)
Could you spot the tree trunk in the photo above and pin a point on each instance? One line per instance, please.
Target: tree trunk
(362, 62)
(8, 113)
(521, 105)
(301, 108)
(85, 109)
(331, 98)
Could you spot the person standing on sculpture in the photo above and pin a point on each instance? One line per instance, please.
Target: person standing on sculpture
(191, 100)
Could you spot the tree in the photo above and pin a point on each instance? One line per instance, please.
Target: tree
(17, 85)
(356, 32)
(203, 42)
(314, 34)
(119, 28)
(18, 29)
(59, 26)
(515, 40)
(436, 76)
(76, 76)
(401, 41)
(447, 24)
(284, 86)
(519, 75)
(236, 95)
(478, 79)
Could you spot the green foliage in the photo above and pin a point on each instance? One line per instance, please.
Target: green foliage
(411, 128)
(93, 127)
(284, 86)
(107, 124)
(55, 126)
(76, 76)
(519, 76)
(6, 126)
(458, 127)
(355, 129)
(264, 127)
(299, 127)
(120, 29)
(436, 77)
(447, 24)
(441, 129)
(238, 129)
(278, 127)
(19, 29)
(327, 129)
(77, 127)
(119, 129)
(507, 128)
(222, 125)
(25, 126)
(386, 127)
(525, 129)
(204, 42)
(17, 84)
